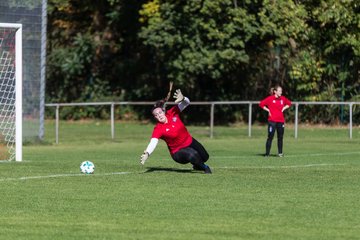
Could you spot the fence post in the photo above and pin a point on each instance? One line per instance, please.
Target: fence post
(250, 119)
(57, 124)
(350, 120)
(212, 120)
(296, 119)
(112, 106)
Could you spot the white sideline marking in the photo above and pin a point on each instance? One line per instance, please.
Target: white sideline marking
(289, 166)
(274, 157)
(270, 167)
(292, 156)
(60, 175)
(123, 173)
(215, 157)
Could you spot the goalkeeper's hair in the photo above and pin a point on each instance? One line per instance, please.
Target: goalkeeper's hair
(159, 104)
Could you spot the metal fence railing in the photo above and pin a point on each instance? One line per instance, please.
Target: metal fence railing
(212, 108)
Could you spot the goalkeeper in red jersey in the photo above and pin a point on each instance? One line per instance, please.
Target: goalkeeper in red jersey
(182, 146)
(275, 105)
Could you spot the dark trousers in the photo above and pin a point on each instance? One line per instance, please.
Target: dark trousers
(280, 129)
(194, 154)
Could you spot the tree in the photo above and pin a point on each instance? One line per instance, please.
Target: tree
(86, 49)
(215, 49)
(200, 45)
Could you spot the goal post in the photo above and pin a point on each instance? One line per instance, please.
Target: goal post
(11, 91)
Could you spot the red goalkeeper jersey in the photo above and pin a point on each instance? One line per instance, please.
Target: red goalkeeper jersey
(275, 105)
(174, 132)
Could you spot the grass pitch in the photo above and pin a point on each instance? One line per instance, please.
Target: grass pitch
(311, 193)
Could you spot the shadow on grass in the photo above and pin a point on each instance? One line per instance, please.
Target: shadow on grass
(160, 169)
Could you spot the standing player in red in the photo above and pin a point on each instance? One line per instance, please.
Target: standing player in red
(182, 146)
(275, 105)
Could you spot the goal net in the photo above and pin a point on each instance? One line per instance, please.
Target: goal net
(10, 91)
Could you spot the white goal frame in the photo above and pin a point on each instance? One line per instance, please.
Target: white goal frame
(18, 87)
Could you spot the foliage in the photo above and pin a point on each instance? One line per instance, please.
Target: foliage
(198, 45)
(331, 57)
(212, 49)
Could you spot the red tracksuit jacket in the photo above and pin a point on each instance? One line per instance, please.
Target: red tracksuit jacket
(275, 105)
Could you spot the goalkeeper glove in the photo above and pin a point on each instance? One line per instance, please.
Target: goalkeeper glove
(179, 97)
(144, 157)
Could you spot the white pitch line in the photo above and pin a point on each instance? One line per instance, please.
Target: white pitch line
(123, 173)
(286, 155)
(293, 155)
(289, 166)
(212, 156)
(273, 167)
(59, 175)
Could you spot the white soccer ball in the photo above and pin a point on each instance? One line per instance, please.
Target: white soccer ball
(87, 167)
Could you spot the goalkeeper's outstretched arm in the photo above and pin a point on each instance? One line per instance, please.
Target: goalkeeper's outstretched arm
(150, 148)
